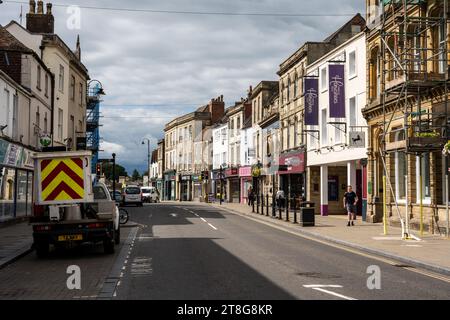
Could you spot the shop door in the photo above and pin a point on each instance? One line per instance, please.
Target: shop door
(359, 192)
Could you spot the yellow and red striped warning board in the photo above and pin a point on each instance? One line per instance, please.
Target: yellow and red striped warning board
(62, 179)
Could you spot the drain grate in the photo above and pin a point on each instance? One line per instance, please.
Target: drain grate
(318, 275)
(403, 266)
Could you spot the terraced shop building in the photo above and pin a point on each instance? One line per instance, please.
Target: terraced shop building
(407, 111)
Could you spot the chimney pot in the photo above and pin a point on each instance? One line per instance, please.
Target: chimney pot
(32, 6)
(49, 8)
(40, 8)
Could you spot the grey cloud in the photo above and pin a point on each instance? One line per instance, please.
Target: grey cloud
(144, 58)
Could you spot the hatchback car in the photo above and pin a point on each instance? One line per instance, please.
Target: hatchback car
(150, 194)
(132, 195)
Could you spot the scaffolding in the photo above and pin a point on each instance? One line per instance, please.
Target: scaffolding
(414, 81)
(93, 123)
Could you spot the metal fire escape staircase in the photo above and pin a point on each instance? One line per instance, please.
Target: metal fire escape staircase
(93, 124)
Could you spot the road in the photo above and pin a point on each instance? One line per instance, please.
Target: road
(188, 251)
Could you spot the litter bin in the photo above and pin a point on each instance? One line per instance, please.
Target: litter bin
(307, 216)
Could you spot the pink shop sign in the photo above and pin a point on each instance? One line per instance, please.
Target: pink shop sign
(245, 172)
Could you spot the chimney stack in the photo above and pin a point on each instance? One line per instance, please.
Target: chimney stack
(32, 6)
(40, 8)
(39, 22)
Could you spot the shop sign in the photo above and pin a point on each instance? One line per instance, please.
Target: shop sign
(196, 178)
(357, 139)
(231, 172)
(292, 163)
(245, 172)
(185, 178)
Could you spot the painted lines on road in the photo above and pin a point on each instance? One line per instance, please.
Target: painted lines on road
(141, 266)
(320, 287)
(212, 226)
(203, 219)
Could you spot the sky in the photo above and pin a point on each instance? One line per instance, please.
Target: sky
(156, 66)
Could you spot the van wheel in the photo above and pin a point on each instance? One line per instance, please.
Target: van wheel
(42, 249)
(108, 246)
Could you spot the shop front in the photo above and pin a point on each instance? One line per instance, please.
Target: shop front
(234, 189)
(246, 180)
(197, 191)
(185, 187)
(169, 185)
(292, 178)
(16, 181)
(218, 186)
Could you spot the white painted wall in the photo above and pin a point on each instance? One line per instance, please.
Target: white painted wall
(355, 86)
(247, 143)
(220, 146)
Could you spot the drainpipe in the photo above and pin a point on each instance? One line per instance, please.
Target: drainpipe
(52, 107)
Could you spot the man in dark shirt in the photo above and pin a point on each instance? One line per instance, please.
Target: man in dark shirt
(350, 201)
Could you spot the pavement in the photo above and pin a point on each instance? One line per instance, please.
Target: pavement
(15, 241)
(431, 252)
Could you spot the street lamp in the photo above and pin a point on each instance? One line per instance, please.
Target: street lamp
(97, 90)
(148, 158)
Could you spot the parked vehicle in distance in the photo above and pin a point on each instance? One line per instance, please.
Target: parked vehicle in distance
(150, 194)
(132, 195)
(117, 197)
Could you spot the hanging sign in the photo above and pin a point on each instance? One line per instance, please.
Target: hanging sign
(337, 91)
(311, 102)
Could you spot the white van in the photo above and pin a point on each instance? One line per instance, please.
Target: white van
(150, 194)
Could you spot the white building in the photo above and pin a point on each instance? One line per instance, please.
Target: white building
(69, 112)
(220, 157)
(337, 146)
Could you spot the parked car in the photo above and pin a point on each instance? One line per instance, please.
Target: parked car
(150, 194)
(132, 195)
(117, 197)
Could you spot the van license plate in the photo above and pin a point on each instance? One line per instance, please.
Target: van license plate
(73, 237)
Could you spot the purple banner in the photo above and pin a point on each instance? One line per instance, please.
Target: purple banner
(337, 91)
(311, 101)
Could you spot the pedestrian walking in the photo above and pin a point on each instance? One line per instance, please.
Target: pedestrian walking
(280, 198)
(250, 196)
(350, 201)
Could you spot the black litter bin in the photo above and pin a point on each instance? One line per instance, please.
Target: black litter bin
(307, 216)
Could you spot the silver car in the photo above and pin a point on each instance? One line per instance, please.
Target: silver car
(132, 195)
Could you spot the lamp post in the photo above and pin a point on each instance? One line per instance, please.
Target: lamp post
(148, 158)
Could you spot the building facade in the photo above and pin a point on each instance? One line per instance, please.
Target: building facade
(337, 151)
(71, 76)
(406, 110)
(187, 151)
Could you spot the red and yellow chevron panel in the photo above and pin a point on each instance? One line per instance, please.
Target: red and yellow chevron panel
(62, 179)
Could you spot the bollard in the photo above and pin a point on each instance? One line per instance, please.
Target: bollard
(279, 210)
(253, 205)
(273, 206)
(262, 205)
(257, 203)
(287, 208)
(295, 211)
(267, 205)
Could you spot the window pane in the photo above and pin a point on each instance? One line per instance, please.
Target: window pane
(21, 207)
(7, 190)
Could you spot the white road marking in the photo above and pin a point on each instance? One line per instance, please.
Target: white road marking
(212, 226)
(121, 275)
(203, 220)
(118, 283)
(126, 261)
(320, 287)
(115, 294)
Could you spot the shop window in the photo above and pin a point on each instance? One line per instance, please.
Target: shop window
(400, 174)
(424, 164)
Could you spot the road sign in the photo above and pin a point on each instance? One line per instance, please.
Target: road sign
(62, 179)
